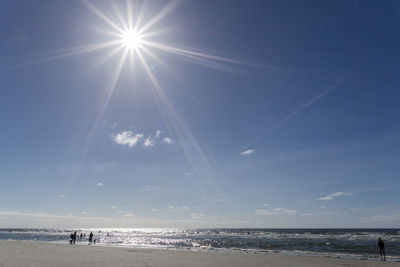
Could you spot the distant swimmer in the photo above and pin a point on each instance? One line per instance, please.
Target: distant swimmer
(380, 245)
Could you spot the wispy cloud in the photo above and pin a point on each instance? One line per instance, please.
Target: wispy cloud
(61, 196)
(167, 140)
(149, 142)
(177, 208)
(334, 195)
(275, 211)
(128, 215)
(99, 184)
(248, 152)
(157, 134)
(332, 212)
(127, 138)
(101, 166)
(84, 212)
(196, 216)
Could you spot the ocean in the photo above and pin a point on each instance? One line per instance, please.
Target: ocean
(343, 243)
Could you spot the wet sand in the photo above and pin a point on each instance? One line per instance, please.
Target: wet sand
(35, 254)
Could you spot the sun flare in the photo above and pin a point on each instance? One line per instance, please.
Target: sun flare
(131, 39)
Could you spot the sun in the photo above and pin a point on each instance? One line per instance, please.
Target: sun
(131, 39)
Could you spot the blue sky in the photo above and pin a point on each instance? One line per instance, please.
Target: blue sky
(232, 114)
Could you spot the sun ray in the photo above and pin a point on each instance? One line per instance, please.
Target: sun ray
(110, 54)
(110, 32)
(129, 11)
(164, 12)
(66, 53)
(89, 137)
(189, 143)
(160, 32)
(185, 52)
(102, 16)
(153, 56)
(120, 18)
(200, 60)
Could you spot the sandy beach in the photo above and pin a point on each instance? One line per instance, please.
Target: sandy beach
(22, 253)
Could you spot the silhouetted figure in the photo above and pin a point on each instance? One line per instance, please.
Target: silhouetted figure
(108, 234)
(74, 237)
(90, 238)
(94, 240)
(381, 247)
(71, 238)
(81, 236)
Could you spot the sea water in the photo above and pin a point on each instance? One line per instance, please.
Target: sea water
(344, 243)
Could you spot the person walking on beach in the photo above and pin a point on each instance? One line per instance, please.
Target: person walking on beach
(380, 245)
(74, 238)
(90, 238)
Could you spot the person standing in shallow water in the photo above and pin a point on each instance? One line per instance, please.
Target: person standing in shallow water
(90, 238)
(380, 245)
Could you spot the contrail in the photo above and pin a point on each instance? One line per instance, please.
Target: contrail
(308, 104)
(292, 115)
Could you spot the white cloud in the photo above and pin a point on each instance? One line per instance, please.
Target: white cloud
(275, 211)
(116, 207)
(167, 140)
(306, 214)
(196, 216)
(332, 212)
(265, 212)
(128, 215)
(332, 196)
(153, 209)
(127, 138)
(266, 205)
(157, 134)
(189, 173)
(99, 184)
(101, 166)
(177, 208)
(248, 152)
(61, 196)
(149, 142)
(84, 212)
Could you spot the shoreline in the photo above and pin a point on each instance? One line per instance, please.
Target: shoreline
(37, 253)
(300, 253)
